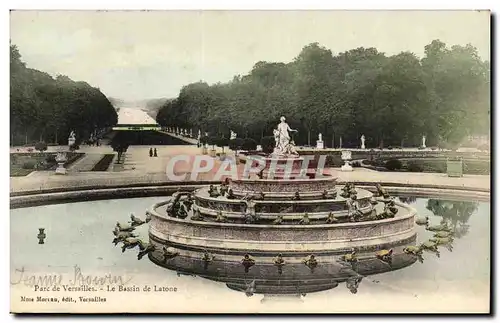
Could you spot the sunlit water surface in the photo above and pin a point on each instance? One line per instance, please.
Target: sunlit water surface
(80, 234)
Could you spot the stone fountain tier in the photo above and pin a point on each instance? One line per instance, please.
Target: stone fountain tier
(293, 278)
(312, 187)
(281, 203)
(290, 167)
(283, 177)
(271, 239)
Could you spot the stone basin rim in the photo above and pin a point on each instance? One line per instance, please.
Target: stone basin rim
(285, 181)
(405, 233)
(270, 157)
(338, 200)
(75, 194)
(235, 254)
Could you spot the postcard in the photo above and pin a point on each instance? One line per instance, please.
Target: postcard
(250, 161)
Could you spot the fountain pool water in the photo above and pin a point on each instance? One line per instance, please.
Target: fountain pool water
(79, 234)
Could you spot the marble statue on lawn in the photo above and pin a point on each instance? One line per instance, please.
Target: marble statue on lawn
(71, 138)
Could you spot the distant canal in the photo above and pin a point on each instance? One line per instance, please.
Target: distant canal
(145, 138)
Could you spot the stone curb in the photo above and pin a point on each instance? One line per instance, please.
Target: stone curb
(60, 195)
(207, 182)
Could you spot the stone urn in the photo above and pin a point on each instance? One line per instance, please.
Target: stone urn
(61, 159)
(346, 157)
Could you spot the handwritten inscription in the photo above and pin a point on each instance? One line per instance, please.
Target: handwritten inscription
(50, 286)
(78, 281)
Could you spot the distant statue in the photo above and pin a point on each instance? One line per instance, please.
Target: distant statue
(283, 144)
(71, 138)
(199, 134)
(320, 137)
(363, 142)
(423, 141)
(233, 135)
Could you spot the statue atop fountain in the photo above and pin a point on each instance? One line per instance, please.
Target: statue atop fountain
(363, 142)
(233, 135)
(284, 146)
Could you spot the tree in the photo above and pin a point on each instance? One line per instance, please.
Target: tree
(44, 108)
(392, 100)
(41, 146)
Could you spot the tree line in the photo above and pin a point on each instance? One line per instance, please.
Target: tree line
(46, 109)
(392, 100)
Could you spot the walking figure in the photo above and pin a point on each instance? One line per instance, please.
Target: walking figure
(150, 152)
(155, 154)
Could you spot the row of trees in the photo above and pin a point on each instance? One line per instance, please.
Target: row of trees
(392, 100)
(46, 109)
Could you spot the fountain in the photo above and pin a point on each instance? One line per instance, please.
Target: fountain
(289, 210)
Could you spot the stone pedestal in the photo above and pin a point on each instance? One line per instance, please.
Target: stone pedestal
(284, 168)
(61, 159)
(346, 167)
(320, 144)
(60, 170)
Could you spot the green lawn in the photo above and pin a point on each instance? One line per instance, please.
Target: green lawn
(22, 164)
(18, 171)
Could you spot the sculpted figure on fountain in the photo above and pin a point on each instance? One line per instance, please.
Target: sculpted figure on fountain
(284, 146)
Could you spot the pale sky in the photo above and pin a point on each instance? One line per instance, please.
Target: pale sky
(138, 55)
